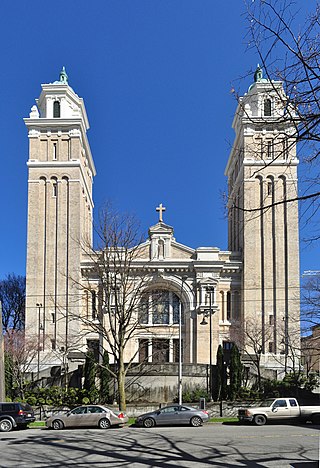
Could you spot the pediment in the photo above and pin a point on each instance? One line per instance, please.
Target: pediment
(177, 251)
(160, 228)
(208, 281)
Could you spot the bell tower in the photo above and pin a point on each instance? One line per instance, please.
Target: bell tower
(263, 221)
(60, 177)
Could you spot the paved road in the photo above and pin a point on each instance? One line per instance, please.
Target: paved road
(211, 445)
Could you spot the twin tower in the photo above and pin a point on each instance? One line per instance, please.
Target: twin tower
(263, 228)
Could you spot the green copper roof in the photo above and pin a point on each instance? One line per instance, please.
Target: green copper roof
(258, 77)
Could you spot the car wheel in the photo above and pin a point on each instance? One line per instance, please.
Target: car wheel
(149, 422)
(104, 423)
(57, 424)
(196, 421)
(316, 419)
(260, 420)
(5, 425)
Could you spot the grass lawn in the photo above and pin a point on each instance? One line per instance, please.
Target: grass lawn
(37, 424)
(223, 420)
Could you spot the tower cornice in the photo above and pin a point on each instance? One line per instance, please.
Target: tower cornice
(67, 125)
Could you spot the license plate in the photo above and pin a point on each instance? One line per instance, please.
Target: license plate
(29, 415)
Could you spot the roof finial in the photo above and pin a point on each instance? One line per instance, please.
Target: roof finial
(63, 76)
(258, 75)
(161, 209)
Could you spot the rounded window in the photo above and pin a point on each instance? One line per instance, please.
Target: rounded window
(160, 307)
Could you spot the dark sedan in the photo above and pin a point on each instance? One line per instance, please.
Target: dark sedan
(173, 415)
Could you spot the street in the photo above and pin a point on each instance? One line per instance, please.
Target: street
(221, 445)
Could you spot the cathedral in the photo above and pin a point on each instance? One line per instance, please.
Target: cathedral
(247, 295)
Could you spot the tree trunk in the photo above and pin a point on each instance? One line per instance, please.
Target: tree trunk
(121, 384)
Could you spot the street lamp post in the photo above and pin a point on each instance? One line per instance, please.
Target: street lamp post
(39, 306)
(184, 278)
(180, 357)
(209, 290)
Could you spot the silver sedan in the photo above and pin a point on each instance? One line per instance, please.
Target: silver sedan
(173, 415)
(87, 415)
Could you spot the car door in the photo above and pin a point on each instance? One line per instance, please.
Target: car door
(94, 414)
(294, 408)
(280, 409)
(168, 415)
(77, 417)
(184, 415)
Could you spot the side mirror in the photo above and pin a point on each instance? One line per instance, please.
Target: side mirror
(274, 409)
(158, 412)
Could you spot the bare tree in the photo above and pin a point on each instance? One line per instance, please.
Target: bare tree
(114, 287)
(310, 319)
(12, 297)
(19, 353)
(252, 341)
(290, 52)
(311, 300)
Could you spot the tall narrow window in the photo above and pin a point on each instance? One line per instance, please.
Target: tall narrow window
(160, 351)
(269, 149)
(160, 300)
(228, 305)
(54, 153)
(222, 305)
(269, 186)
(56, 109)
(267, 108)
(94, 304)
(143, 312)
(285, 152)
(176, 350)
(143, 351)
(54, 189)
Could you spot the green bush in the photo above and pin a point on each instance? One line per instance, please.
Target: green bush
(192, 396)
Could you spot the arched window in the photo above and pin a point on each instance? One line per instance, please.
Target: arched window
(54, 182)
(56, 109)
(160, 307)
(267, 107)
(270, 185)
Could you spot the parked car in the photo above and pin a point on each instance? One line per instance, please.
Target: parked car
(274, 409)
(87, 415)
(15, 415)
(173, 415)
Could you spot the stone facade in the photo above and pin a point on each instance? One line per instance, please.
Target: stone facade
(263, 221)
(254, 283)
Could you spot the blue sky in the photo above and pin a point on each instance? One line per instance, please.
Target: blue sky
(156, 77)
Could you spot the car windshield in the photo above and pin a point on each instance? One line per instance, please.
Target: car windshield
(267, 402)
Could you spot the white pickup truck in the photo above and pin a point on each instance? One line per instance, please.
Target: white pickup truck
(279, 409)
